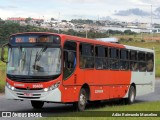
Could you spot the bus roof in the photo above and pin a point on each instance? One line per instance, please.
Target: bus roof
(139, 48)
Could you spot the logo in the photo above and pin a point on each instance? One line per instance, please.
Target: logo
(6, 114)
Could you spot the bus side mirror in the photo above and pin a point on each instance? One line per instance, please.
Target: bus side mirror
(4, 53)
(71, 57)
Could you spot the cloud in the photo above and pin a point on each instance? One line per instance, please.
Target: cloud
(82, 1)
(8, 7)
(157, 10)
(151, 2)
(157, 13)
(135, 11)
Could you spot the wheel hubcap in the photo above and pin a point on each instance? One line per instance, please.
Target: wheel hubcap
(82, 99)
(132, 96)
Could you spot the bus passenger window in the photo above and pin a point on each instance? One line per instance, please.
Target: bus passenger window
(133, 60)
(86, 56)
(133, 55)
(150, 62)
(124, 63)
(69, 56)
(134, 66)
(114, 58)
(142, 61)
(100, 57)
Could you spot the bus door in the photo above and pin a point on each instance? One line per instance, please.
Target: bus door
(69, 63)
(69, 71)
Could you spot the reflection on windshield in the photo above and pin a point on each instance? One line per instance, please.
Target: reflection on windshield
(34, 61)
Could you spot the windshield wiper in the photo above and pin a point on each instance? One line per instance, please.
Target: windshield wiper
(37, 58)
(39, 54)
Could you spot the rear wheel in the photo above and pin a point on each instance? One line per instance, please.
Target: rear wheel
(131, 95)
(37, 104)
(82, 101)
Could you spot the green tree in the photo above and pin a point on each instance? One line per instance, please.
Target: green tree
(28, 20)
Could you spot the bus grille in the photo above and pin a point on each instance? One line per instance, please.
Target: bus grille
(34, 96)
(29, 97)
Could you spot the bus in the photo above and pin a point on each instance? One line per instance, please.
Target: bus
(48, 67)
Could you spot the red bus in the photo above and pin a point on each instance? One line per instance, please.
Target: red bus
(47, 67)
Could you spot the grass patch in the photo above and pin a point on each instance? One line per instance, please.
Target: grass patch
(2, 75)
(2, 80)
(145, 106)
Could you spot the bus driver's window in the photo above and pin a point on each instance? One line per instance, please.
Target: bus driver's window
(69, 56)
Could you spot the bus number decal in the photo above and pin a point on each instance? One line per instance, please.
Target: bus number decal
(98, 91)
(37, 86)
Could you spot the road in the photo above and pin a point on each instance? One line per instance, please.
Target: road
(23, 106)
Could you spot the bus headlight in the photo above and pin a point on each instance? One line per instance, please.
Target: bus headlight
(54, 86)
(45, 89)
(9, 86)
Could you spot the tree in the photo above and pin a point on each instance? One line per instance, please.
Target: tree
(64, 20)
(129, 32)
(28, 20)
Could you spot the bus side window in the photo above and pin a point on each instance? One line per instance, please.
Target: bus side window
(86, 55)
(142, 61)
(69, 56)
(133, 60)
(114, 58)
(100, 57)
(124, 63)
(150, 62)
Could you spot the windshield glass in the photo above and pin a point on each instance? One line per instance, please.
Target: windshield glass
(34, 61)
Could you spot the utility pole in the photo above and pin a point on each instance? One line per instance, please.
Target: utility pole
(58, 20)
(151, 24)
(86, 27)
(86, 33)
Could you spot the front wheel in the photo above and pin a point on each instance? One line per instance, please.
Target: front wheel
(37, 104)
(82, 101)
(131, 95)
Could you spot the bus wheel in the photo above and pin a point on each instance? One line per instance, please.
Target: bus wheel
(131, 95)
(37, 104)
(82, 101)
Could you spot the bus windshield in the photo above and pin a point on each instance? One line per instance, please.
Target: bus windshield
(41, 61)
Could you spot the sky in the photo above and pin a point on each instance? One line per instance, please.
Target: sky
(123, 10)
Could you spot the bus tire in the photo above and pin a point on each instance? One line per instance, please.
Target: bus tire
(37, 104)
(82, 101)
(131, 95)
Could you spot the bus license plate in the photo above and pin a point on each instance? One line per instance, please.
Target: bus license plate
(28, 94)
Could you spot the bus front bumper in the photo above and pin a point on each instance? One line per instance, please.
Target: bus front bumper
(37, 95)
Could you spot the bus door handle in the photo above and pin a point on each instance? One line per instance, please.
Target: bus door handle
(75, 78)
